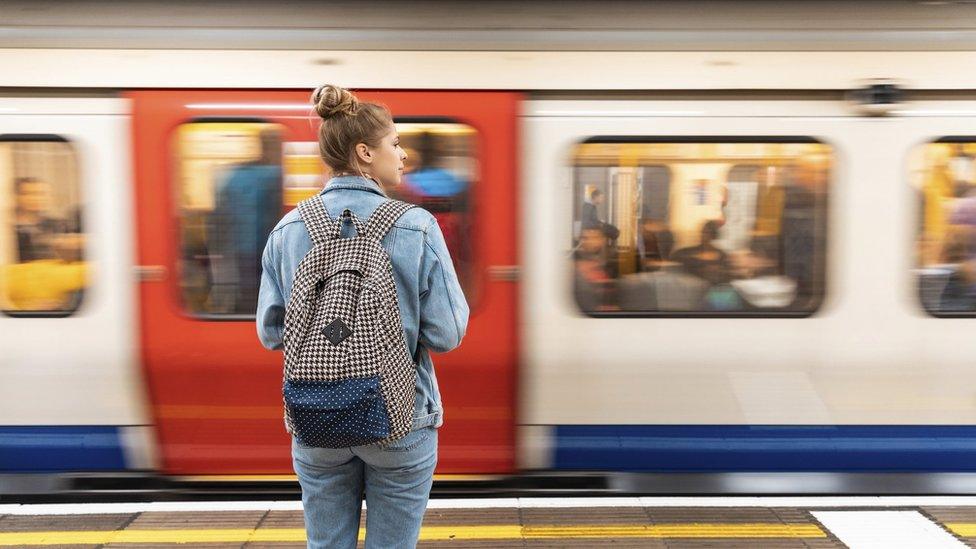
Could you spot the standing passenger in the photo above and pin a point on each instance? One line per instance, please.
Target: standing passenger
(590, 216)
(248, 204)
(359, 142)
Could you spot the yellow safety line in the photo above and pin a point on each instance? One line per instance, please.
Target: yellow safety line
(964, 529)
(428, 533)
(693, 530)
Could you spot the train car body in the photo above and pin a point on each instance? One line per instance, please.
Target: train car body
(863, 379)
(73, 390)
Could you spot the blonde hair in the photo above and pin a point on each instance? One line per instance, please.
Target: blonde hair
(346, 122)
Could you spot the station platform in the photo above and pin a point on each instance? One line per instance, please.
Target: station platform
(663, 522)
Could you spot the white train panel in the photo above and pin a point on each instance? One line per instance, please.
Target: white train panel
(491, 70)
(869, 355)
(81, 369)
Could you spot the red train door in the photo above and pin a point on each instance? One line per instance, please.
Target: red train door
(215, 392)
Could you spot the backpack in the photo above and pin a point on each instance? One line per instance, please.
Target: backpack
(349, 377)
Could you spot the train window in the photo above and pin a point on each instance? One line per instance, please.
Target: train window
(42, 263)
(441, 172)
(699, 226)
(227, 167)
(230, 196)
(944, 182)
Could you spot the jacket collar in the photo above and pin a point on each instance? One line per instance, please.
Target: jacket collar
(353, 182)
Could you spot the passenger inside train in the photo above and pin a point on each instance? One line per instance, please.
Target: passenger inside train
(590, 216)
(440, 175)
(711, 228)
(236, 179)
(248, 204)
(435, 188)
(43, 268)
(594, 285)
(35, 229)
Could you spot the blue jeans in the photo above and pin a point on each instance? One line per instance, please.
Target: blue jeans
(396, 479)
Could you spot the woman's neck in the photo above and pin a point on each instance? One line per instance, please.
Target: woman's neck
(354, 174)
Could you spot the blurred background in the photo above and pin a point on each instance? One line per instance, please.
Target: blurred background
(696, 237)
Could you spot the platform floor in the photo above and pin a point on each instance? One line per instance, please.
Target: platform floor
(863, 522)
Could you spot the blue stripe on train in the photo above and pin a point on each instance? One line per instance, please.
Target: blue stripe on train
(716, 448)
(60, 448)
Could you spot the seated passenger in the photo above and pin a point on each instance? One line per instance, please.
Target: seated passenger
(33, 225)
(721, 295)
(593, 284)
(664, 285)
(698, 259)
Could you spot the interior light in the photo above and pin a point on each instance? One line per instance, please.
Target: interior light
(251, 106)
(619, 113)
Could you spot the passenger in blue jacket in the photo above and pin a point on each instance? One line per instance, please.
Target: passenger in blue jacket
(359, 142)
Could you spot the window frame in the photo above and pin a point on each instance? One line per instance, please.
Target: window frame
(918, 208)
(176, 190)
(820, 297)
(55, 138)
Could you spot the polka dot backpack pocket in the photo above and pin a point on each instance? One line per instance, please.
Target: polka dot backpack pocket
(349, 377)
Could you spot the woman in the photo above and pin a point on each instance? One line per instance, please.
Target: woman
(359, 142)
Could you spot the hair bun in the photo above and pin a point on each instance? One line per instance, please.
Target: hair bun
(332, 100)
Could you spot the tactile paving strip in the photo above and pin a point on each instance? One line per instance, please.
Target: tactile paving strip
(958, 521)
(652, 527)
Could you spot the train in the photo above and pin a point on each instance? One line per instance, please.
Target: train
(704, 250)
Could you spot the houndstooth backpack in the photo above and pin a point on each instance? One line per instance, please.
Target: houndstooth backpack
(349, 377)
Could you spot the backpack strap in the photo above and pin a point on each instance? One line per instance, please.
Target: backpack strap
(385, 215)
(320, 226)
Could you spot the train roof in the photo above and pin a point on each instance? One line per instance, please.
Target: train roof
(505, 25)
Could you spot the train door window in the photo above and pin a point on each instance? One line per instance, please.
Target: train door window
(42, 262)
(230, 197)
(699, 226)
(440, 175)
(943, 179)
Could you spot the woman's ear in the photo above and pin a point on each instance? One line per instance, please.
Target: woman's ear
(362, 152)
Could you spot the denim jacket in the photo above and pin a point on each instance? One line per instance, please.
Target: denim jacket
(432, 306)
